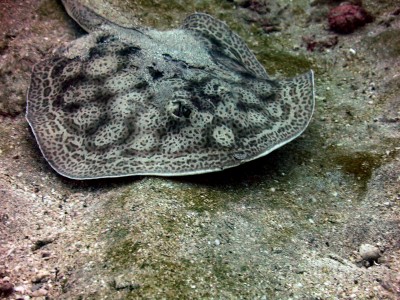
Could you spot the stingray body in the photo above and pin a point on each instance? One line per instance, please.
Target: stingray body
(136, 101)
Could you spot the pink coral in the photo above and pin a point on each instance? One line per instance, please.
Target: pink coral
(346, 18)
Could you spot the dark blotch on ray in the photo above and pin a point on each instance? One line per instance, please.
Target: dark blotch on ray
(78, 79)
(58, 68)
(154, 73)
(130, 50)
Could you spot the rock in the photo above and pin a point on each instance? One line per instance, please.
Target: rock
(41, 276)
(39, 293)
(347, 18)
(124, 282)
(6, 289)
(46, 254)
(36, 286)
(20, 289)
(41, 243)
(369, 253)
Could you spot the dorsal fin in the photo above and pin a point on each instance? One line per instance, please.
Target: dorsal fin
(226, 40)
(91, 21)
(85, 17)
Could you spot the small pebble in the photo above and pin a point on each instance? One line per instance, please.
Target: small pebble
(41, 276)
(20, 289)
(46, 254)
(121, 282)
(369, 252)
(36, 286)
(39, 293)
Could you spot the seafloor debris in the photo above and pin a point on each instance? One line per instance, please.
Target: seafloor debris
(312, 43)
(346, 18)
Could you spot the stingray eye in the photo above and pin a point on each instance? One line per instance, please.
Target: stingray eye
(179, 109)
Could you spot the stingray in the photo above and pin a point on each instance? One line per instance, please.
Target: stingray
(138, 101)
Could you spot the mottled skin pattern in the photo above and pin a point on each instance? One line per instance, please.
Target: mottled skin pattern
(122, 101)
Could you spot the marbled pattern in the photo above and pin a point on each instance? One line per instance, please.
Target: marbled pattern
(121, 101)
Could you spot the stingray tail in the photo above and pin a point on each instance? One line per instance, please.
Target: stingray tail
(84, 16)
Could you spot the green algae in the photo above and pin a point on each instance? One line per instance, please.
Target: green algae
(359, 164)
(201, 199)
(386, 44)
(122, 254)
(380, 7)
(169, 14)
(157, 262)
(284, 62)
(51, 10)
